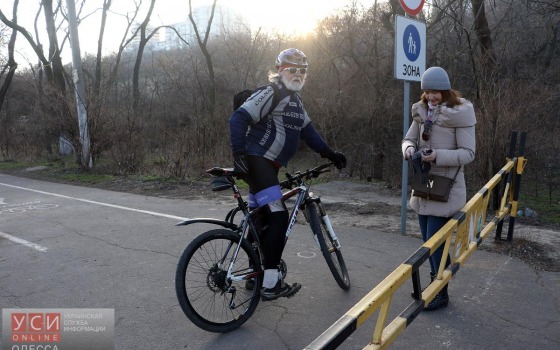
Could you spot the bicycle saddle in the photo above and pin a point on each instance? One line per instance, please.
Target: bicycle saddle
(222, 178)
(218, 172)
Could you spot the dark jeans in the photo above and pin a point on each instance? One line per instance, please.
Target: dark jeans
(429, 225)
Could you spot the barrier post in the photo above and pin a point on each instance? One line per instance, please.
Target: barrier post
(507, 184)
(517, 184)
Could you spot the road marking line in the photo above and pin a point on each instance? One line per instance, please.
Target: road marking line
(23, 241)
(98, 203)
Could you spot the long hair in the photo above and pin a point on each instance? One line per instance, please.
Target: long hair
(451, 97)
(273, 77)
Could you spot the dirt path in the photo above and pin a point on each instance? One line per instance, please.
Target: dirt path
(372, 205)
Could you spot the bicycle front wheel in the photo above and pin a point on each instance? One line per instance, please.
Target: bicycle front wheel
(210, 298)
(331, 253)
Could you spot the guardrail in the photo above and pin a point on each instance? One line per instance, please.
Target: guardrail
(460, 236)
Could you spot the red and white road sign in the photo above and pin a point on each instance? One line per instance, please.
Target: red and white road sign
(412, 7)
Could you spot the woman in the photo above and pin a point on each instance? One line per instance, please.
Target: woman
(444, 123)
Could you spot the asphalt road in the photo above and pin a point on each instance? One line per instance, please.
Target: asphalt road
(64, 246)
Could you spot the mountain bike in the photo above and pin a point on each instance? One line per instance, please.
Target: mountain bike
(213, 271)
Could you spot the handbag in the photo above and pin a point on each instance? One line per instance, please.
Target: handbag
(436, 188)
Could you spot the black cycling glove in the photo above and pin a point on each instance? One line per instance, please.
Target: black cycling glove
(337, 158)
(240, 165)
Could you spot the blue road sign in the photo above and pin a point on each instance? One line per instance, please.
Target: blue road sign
(410, 49)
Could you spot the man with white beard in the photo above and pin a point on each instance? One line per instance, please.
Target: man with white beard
(265, 132)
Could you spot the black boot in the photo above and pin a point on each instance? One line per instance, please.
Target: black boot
(440, 301)
(432, 278)
(281, 289)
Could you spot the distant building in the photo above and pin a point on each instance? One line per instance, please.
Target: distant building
(224, 19)
(167, 39)
(153, 44)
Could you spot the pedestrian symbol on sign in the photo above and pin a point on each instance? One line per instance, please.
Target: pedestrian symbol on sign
(411, 43)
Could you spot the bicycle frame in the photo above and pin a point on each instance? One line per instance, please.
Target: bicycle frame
(302, 192)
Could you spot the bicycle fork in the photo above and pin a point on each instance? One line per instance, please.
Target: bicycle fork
(326, 222)
(328, 226)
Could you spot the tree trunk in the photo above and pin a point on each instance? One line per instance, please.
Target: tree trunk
(79, 86)
(484, 35)
(97, 80)
(11, 65)
(203, 43)
(54, 52)
(141, 46)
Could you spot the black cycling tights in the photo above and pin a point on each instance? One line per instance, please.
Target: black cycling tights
(263, 175)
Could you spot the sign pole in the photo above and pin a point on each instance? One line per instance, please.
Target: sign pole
(410, 63)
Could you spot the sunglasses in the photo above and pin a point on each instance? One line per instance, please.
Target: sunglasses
(293, 70)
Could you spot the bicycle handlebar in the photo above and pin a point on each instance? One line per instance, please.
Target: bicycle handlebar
(308, 174)
(229, 173)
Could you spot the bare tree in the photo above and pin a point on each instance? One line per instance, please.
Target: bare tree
(203, 44)
(144, 38)
(53, 64)
(54, 49)
(483, 34)
(80, 89)
(11, 65)
(98, 64)
(546, 5)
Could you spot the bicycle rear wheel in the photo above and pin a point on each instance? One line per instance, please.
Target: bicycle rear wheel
(332, 254)
(210, 300)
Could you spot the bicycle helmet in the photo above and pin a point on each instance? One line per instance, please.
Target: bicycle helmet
(291, 57)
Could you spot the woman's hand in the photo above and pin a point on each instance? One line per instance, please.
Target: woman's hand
(409, 152)
(429, 156)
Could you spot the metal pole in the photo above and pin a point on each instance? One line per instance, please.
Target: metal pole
(517, 184)
(404, 181)
(499, 193)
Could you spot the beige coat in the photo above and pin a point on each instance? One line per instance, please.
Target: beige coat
(453, 139)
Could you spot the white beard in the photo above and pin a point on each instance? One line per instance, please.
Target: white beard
(294, 85)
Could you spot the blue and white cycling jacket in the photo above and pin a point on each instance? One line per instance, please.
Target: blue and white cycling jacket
(255, 129)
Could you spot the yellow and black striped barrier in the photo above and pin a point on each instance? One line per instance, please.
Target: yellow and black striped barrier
(460, 236)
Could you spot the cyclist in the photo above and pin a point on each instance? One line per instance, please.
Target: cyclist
(265, 131)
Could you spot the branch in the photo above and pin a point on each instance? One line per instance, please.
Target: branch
(27, 36)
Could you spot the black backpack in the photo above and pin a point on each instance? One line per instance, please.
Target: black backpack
(242, 96)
